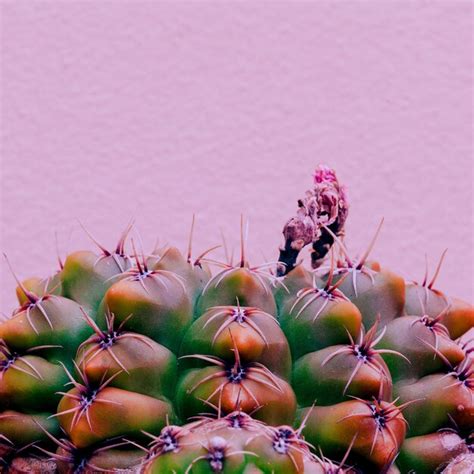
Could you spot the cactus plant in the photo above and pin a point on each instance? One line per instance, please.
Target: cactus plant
(155, 363)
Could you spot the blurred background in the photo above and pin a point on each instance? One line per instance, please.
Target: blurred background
(153, 110)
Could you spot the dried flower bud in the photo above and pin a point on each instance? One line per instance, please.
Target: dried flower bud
(325, 205)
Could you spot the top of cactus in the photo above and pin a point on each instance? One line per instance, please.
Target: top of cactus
(328, 292)
(197, 261)
(119, 249)
(260, 272)
(31, 297)
(141, 272)
(429, 285)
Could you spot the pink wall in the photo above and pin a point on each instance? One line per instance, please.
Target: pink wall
(158, 110)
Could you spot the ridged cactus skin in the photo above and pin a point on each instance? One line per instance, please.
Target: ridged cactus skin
(161, 362)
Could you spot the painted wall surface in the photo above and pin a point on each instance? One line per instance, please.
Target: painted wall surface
(115, 109)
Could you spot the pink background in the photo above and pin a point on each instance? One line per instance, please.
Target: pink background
(157, 110)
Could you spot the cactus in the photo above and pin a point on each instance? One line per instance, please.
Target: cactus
(155, 363)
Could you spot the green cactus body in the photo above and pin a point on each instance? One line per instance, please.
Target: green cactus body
(141, 365)
(425, 454)
(253, 388)
(29, 382)
(257, 336)
(424, 342)
(195, 274)
(51, 320)
(174, 450)
(87, 276)
(239, 284)
(279, 451)
(110, 412)
(155, 304)
(439, 399)
(316, 320)
(39, 287)
(338, 374)
(155, 364)
(23, 428)
(375, 293)
(373, 430)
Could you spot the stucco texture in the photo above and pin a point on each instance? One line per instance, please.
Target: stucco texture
(114, 109)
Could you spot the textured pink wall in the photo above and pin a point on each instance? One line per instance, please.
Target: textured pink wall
(158, 110)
